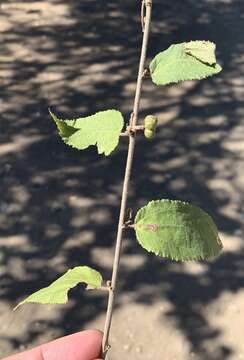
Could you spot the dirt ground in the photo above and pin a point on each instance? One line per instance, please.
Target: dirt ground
(59, 207)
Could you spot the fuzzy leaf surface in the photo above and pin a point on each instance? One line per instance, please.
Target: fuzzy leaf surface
(57, 292)
(177, 230)
(180, 63)
(102, 129)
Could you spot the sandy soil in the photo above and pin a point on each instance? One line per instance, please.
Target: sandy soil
(58, 207)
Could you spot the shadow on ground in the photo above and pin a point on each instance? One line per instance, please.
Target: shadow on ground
(59, 207)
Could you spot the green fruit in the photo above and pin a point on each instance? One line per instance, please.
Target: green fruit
(150, 122)
(148, 133)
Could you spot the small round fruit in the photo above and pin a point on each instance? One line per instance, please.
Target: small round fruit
(148, 133)
(150, 122)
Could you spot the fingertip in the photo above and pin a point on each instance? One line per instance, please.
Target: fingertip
(96, 334)
(84, 345)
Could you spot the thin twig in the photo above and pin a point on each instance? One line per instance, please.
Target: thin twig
(129, 226)
(131, 149)
(143, 15)
(125, 133)
(133, 130)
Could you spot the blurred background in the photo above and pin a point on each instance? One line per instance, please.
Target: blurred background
(59, 206)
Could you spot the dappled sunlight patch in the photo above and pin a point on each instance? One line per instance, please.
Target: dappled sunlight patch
(19, 143)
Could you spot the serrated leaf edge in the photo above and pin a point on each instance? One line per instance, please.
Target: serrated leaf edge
(196, 258)
(90, 287)
(65, 140)
(191, 78)
(217, 67)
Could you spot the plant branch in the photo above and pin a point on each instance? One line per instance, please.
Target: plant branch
(147, 6)
(133, 130)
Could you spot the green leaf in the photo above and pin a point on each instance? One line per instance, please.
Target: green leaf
(202, 50)
(102, 129)
(177, 230)
(65, 131)
(57, 292)
(186, 61)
